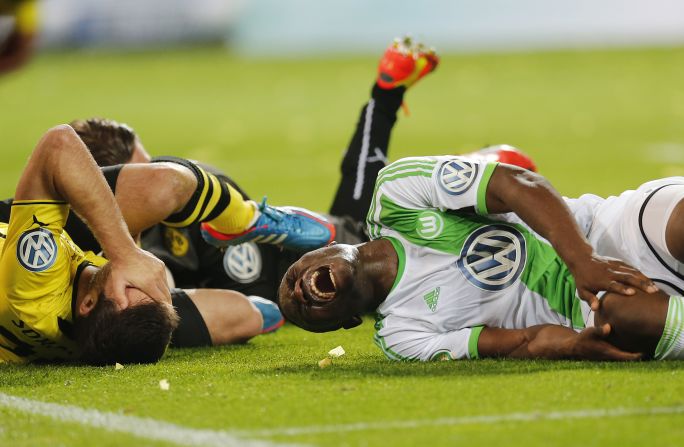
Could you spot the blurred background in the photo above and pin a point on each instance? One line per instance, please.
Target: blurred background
(269, 90)
(309, 27)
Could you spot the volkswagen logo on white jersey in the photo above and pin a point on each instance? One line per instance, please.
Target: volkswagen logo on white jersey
(37, 250)
(242, 263)
(456, 176)
(493, 257)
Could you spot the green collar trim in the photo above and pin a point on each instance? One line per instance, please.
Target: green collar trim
(481, 206)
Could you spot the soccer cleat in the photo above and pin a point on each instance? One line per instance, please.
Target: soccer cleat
(272, 317)
(293, 228)
(404, 63)
(504, 153)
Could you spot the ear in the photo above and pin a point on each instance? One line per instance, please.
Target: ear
(352, 322)
(87, 304)
(331, 243)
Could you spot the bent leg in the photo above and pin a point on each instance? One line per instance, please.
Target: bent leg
(367, 153)
(215, 317)
(637, 322)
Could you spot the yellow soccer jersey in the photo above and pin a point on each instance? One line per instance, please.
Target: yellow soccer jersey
(39, 266)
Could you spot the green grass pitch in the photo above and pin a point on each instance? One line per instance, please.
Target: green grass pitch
(599, 121)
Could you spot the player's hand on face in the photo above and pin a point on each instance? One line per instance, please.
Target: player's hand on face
(600, 273)
(591, 344)
(139, 269)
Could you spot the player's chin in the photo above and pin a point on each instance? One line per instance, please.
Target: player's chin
(323, 319)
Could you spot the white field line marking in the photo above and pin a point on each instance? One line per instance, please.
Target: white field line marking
(466, 420)
(140, 427)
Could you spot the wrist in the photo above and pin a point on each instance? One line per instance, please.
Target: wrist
(577, 255)
(553, 342)
(120, 251)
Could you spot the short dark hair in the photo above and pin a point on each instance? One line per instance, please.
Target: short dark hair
(137, 334)
(110, 142)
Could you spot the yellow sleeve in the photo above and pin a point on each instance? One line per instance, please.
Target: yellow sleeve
(37, 271)
(36, 257)
(27, 17)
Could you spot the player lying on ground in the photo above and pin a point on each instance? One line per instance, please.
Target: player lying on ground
(450, 276)
(51, 305)
(45, 276)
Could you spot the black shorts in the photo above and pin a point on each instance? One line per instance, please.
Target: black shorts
(192, 331)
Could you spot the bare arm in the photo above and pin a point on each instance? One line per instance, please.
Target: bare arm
(551, 342)
(148, 193)
(537, 203)
(61, 168)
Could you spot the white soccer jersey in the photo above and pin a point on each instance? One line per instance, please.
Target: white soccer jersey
(616, 228)
(459, 271)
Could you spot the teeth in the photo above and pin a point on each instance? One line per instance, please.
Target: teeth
(315, 290)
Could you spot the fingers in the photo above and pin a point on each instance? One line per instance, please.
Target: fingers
(640, 281)
(604, 330)
(113, 288)
(156, 286)
(162, 284)
(117, 293)
(630, 276)
(142, 271)
(590, 298)
(606, 350)
(161, 292)
(616, 354)
(618, 287)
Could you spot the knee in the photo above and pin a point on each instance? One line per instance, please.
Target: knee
(240, 321)
(176, 185)
(249, 326)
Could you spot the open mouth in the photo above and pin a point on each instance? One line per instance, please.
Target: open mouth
(322, 284)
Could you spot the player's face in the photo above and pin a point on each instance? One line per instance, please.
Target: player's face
(319, 291)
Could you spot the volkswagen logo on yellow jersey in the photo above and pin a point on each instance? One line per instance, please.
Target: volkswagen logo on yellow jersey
(37, 250)
(493, 257)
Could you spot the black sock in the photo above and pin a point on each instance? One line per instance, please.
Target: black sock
(367, 153)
